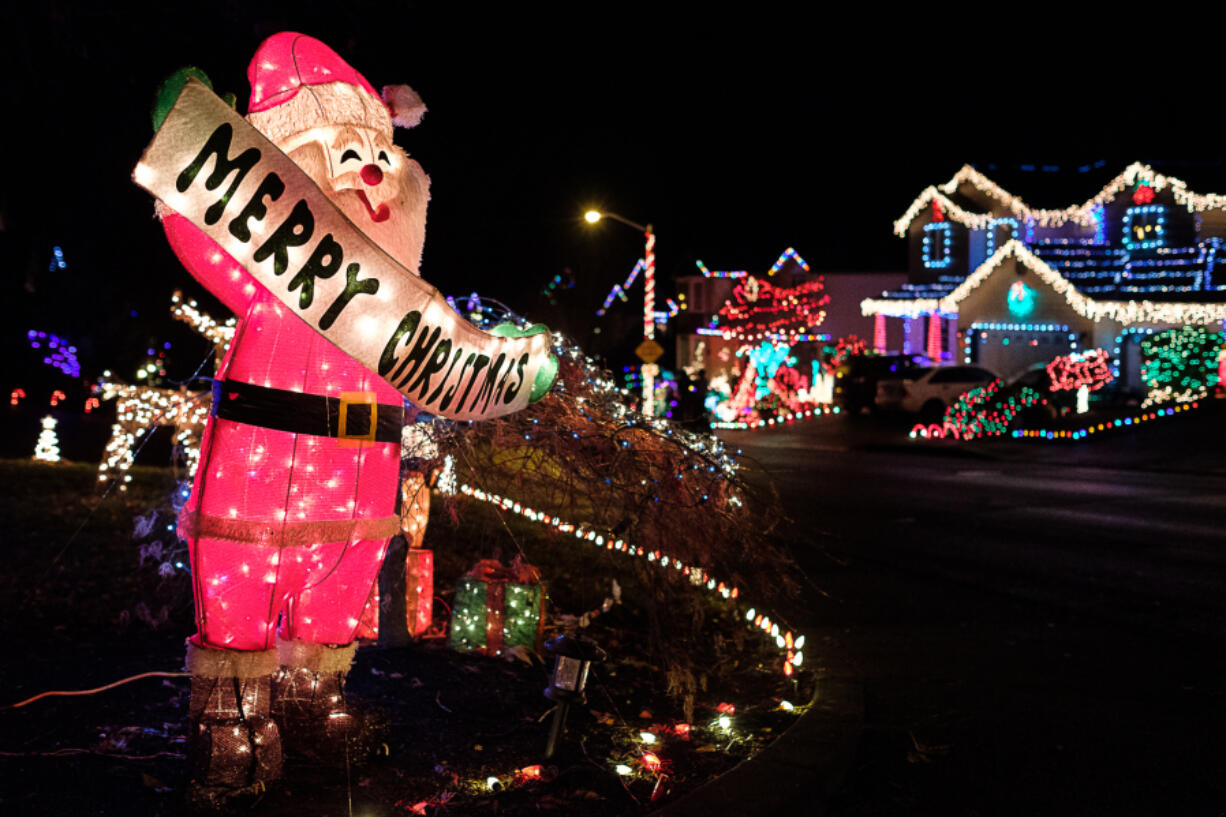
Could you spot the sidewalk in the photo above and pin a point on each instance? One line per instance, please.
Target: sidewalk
(801, 769)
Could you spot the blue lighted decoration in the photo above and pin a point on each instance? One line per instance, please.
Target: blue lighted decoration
(1099, 217)
(995, 223)
(767, 358)
(1145, 227)
(938, 239)
(1021, 299)
(1020, 327)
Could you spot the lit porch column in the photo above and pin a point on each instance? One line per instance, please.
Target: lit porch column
(934, 337)
(879, 334)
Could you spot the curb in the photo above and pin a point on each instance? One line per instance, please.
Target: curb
(802, 768)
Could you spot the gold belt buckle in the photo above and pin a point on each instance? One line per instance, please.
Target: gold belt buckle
(357, 398)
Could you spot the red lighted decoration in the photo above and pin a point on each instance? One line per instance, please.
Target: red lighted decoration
(1070, 372)
(937, 213)
(759, 309)
(529, 773)
(934, 338)
(16, 396)
(1144, 194)
(419, 590)
(419, 563)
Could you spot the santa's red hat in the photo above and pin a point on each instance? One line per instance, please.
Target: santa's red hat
(298, 83)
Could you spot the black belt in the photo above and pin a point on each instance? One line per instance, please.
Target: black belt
(346, 418)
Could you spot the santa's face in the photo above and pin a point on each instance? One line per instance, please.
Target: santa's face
(372, 181)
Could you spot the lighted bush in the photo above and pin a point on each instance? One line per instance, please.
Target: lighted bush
(1180, 365)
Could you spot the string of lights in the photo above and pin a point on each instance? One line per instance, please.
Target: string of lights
(619, 290)
(60, 353)
(218, 333)
(1124, 312)
(1082, 214)
(815, 412)
(1092, 429)
(791, 646)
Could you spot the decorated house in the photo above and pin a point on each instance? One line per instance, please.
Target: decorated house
(708, 329)
(725, 310)
(996, 282)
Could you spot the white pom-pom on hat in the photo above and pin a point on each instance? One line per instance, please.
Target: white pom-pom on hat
(405, 105)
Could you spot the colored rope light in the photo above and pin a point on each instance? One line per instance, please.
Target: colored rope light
(706, 273)
(789, 644)
(619, 290)
(649, 286)
(1100, 428)
(788, 255)
(564, 280)
(816, 411)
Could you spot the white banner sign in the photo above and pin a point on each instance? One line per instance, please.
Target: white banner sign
(208, 164)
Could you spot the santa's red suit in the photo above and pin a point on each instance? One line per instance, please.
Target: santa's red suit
(293, 502)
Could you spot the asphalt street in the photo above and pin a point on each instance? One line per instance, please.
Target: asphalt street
(1037, 628)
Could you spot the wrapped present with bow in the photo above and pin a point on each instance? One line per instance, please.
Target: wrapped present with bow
(497, 607)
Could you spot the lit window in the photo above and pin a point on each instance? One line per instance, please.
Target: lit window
(938, 239)
(1145, 227)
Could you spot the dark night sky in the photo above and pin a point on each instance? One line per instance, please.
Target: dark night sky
(735, 135)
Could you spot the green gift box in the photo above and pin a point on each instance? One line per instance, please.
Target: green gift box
(497, 607)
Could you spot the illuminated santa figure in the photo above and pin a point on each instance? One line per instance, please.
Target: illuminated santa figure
(294, 499)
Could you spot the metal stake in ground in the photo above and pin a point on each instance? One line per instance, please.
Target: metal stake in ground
(573, 658)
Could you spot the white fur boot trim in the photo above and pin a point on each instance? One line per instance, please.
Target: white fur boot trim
(213, 663)
(321, 658)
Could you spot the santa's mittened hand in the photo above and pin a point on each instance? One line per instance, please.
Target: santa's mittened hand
(169, 92)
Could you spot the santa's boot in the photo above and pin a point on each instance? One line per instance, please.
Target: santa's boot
(317, 719)
(235, 743)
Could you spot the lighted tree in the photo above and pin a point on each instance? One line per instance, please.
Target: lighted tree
(48, 447)
(1180, 365)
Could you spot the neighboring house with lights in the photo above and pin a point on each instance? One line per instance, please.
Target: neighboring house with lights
(706, 340)
(996, 282)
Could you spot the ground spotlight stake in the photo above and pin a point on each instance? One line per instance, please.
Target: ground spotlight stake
(573, 659)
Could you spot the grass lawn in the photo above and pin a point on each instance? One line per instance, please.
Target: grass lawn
(80, 611)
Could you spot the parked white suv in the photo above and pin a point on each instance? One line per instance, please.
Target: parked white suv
(930, 391)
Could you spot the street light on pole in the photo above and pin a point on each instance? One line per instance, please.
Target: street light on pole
(649, 303)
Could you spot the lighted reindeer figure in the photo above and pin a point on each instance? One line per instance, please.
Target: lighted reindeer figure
(141, 408)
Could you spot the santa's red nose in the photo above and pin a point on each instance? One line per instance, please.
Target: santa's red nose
(372, 175)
